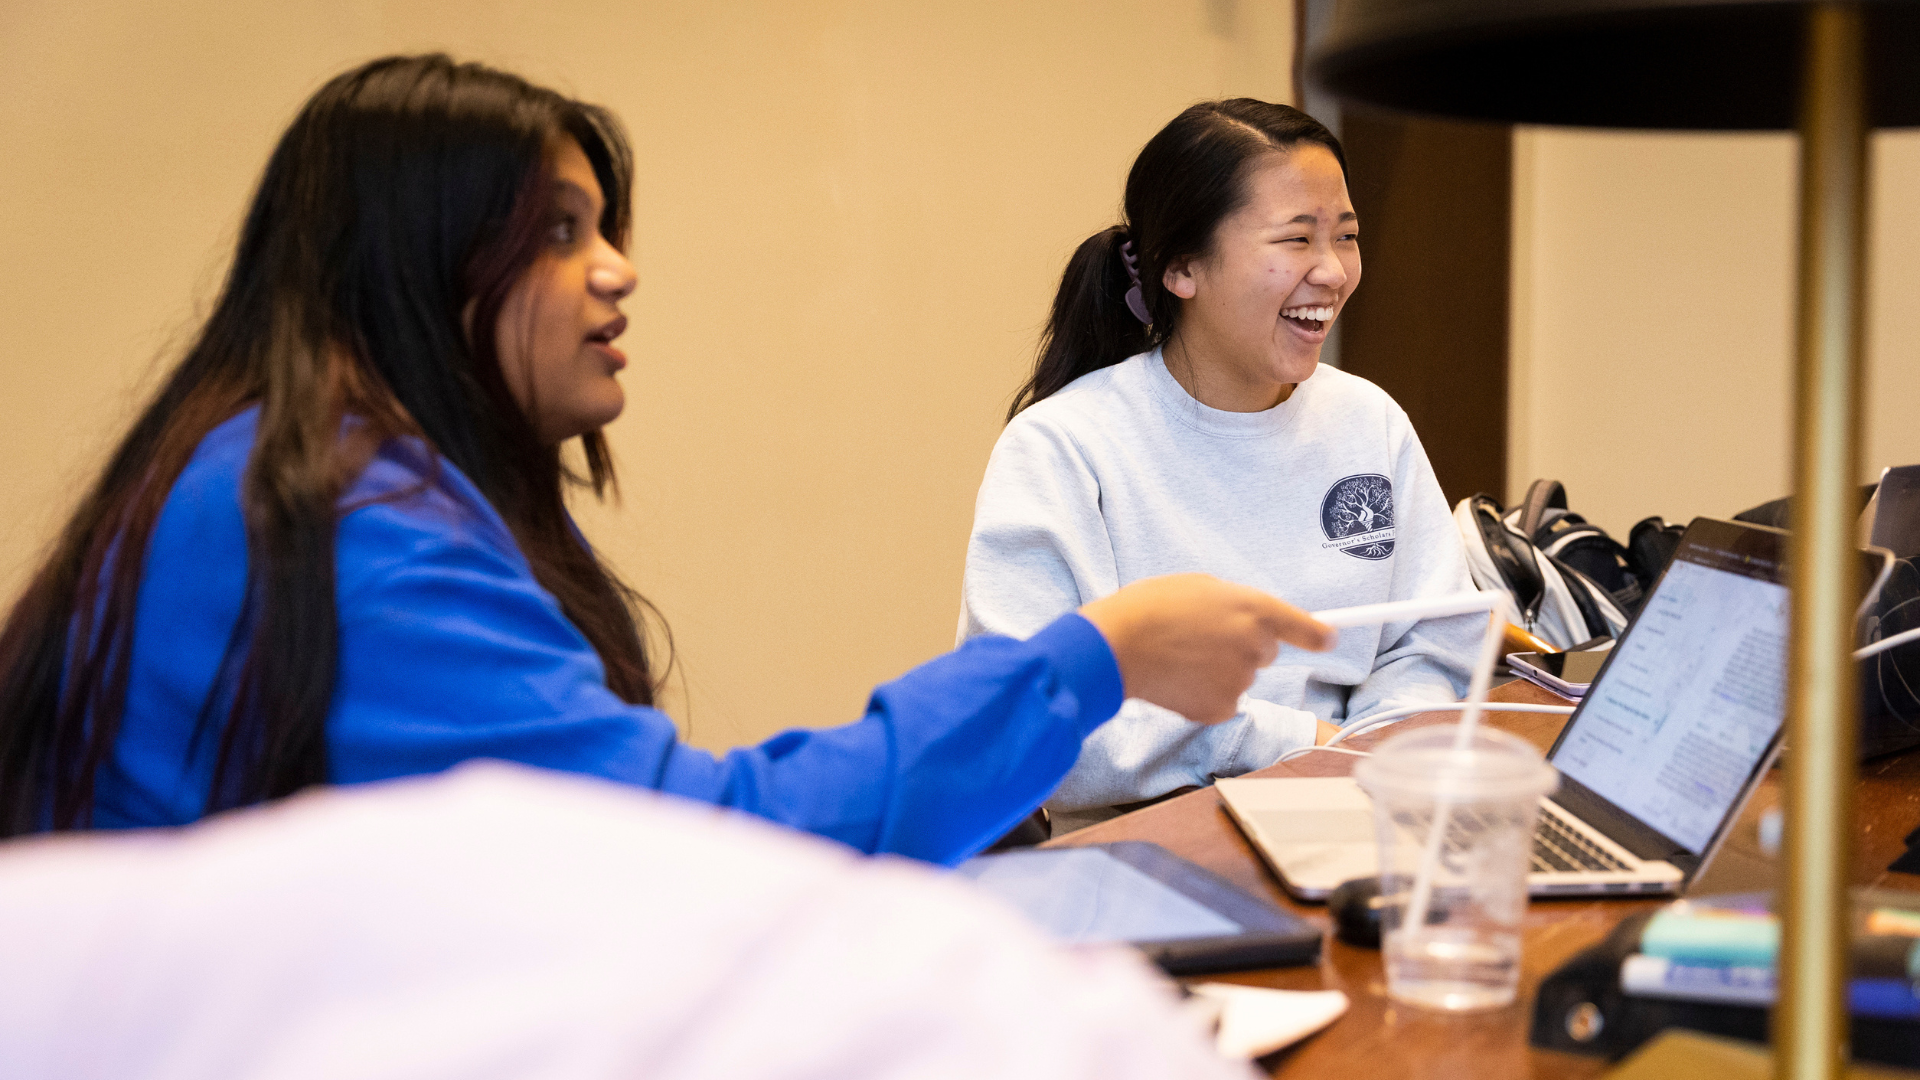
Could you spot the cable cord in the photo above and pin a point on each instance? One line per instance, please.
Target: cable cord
(1886, 643)
(1327, 747)
(1381, 719)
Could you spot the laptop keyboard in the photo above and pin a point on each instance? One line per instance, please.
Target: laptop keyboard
(1559, 848)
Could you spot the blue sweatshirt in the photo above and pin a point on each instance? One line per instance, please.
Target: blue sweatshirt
(449, 650)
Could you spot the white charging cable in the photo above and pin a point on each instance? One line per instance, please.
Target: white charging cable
(1884, 644)
(1381, 719)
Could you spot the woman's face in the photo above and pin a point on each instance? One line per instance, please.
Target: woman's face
(1256, 308)
(556, 331)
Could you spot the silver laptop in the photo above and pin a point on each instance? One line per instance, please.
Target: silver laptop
(1656, 762)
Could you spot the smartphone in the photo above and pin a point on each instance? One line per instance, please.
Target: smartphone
(1572, 668)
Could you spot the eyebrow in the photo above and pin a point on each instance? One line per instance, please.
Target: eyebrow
(1309, 219)
(567, 187)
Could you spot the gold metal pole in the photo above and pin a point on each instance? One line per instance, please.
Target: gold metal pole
(1810, 1023)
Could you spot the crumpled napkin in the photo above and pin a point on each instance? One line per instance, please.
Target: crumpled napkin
(1252, 1021)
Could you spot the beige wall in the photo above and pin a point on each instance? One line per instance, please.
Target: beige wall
(1653, 289)
(850, 220)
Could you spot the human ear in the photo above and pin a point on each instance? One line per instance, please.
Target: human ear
(1178, 278)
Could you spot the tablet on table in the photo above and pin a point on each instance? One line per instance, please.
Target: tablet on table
(1183, 917)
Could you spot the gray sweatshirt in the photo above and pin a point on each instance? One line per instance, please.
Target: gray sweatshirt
(1326, 500)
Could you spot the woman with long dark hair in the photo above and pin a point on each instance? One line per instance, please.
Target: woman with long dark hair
(1178, 419)
(334, 547)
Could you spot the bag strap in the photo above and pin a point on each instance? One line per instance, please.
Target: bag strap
(1609, 617)
(1542, 496)
(1581, 588)
(1650, 547)
(1574, 533)
(1511, 555)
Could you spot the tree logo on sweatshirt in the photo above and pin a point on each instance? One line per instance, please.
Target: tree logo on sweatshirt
(1357, 516)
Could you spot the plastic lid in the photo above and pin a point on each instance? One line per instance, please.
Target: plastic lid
(1494, 766)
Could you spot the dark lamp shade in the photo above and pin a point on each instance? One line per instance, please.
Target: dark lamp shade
(1695, 65)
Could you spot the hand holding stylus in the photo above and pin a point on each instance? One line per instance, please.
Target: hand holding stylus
(1192, 643)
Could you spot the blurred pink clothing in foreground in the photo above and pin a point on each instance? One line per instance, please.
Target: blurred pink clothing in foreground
(498, 922)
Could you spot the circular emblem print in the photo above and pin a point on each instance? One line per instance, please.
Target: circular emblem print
(1357, 516)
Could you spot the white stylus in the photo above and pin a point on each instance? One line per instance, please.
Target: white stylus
(1493, 601)
(1463, 603)
(1432, 607)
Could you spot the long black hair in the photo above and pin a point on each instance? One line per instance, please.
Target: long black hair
(1187, 179)
(408, 193)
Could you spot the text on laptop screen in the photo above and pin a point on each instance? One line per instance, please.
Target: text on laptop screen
(1681, 716)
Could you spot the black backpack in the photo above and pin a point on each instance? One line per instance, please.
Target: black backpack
(1570, 581)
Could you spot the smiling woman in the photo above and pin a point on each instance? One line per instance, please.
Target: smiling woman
(1178, 419)
(1292, 247)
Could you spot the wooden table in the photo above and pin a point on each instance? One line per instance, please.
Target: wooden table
(1378, 1037)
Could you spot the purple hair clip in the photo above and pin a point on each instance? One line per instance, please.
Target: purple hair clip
(1136, 301)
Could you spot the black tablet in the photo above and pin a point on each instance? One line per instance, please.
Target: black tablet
(1185, 919)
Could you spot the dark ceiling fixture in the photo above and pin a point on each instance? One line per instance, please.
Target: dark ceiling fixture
(1726, 66)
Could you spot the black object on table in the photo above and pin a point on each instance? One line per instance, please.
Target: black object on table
(1581, 1009)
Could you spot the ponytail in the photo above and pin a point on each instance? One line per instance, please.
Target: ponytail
(1091, 326)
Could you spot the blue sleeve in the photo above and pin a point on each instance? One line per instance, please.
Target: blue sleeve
(449, 650)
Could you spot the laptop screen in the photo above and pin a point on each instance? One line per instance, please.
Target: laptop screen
(1695, 690)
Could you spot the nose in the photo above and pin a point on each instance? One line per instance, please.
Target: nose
(1328, 271)
(612, 277)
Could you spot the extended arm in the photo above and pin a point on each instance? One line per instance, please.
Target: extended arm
(456, 653)
(449, 651)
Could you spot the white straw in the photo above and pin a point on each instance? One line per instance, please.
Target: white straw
(1422, 898)
(1490, 644)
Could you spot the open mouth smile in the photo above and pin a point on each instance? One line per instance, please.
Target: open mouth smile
(1313, 320)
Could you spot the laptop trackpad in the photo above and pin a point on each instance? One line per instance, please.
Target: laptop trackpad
(1316, 832)
(1315, 850)
(1318, 827)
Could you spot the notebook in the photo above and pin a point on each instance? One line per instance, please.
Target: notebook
(1656, 762)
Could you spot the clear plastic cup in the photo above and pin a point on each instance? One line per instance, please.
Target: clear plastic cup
(1452, 897)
